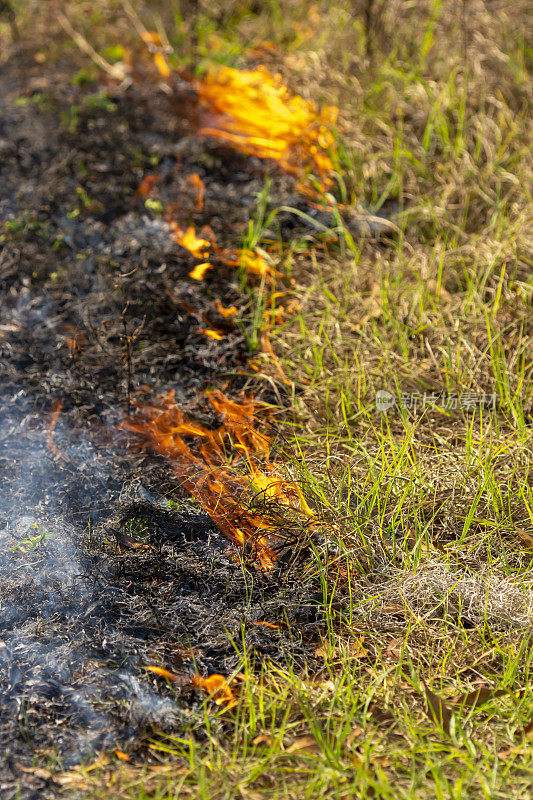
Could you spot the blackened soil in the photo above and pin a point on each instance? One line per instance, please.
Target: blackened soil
(99, 576)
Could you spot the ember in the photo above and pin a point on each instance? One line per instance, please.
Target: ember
(190, 241)
(253, 262)
(199, 271)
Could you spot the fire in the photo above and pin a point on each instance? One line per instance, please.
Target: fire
(147, 186)
(211, 334)
(255, 113)
(210, 465)
(223, 311)
(198, 188)
(198, 273)
(190, 241)
(216, 686)
(162, 65)
(56, 412)
(251, 261)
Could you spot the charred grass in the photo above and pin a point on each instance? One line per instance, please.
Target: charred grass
(427, 513)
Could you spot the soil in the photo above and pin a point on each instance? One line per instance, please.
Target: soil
(99, 575)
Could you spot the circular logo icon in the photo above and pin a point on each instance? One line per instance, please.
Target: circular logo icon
(384, 400)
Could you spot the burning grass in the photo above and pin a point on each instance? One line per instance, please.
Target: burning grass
(431, 511)
(209, 465)
(256, 113)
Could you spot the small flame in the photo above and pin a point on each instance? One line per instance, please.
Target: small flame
(208, 466)
(147, 186)
(252, 262)
(164, 673)
(212, 334)
(217, 687)
(151, 38)
(190, 241)
(223, 311)
(198, 273)
(198, 188)
(162, 65)
(56, 412)
(254, 112)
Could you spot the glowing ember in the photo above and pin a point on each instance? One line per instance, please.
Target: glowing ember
(217, 688)
(212, 334)
(147, 186)
(199, 271)
(255, 113)
(253, 263)
(211, 466)
(161, 64)
(223, 311)
(198, 188)
(190, 241)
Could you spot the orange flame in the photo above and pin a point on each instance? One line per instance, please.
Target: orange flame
(190, 241)
(162, 65)
(208, 467)
(255, 113)
(252, 262)
(146, 186)
(212, 334)
(216, 686)
(198, 188)
(151, 38)
(198, 273)
(223, 311)
(56, 412)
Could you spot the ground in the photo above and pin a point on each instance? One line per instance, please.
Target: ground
(401, 664)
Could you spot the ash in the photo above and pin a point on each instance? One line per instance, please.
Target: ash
(99, 576)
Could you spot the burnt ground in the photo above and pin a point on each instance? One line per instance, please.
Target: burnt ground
(97, 310)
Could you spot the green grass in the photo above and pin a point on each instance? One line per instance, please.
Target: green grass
(431, 581)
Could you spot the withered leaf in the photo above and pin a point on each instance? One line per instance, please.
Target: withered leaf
(263, 738)
(527, 732)
(357, 761)
(525, 536)
(38, 772)
(437, 710)
(478, 697)
(307, 743)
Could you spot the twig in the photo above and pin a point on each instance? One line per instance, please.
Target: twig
(117, 71)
